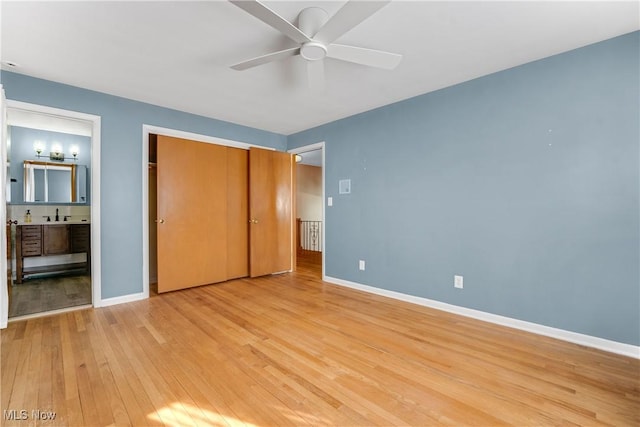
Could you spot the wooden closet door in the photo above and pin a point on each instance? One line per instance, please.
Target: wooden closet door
(192, 213)
(237, 213)
(271, 180)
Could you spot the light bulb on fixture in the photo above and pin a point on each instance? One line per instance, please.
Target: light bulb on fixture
(74, 152)
(39, 147)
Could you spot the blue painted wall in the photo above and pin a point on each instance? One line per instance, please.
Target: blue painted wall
(525, 182)
(22, 140)
(121, 163)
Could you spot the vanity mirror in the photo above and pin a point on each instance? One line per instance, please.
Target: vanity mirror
(46, 182)
(47, 166)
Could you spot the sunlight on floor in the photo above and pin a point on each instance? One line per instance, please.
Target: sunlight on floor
(180, 414)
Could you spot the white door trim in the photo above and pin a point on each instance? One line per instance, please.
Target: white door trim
(96, 275)
(4, 286)
(149, 129)
(312, 147)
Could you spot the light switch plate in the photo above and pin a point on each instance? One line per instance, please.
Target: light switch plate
(329, 201)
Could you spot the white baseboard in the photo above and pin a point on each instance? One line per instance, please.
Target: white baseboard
(561, 334)
(121, 300)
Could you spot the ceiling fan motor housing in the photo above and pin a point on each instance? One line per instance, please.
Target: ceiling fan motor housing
(310, 20)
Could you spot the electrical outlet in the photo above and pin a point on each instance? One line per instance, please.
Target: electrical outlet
(361, 265)
(457, 282)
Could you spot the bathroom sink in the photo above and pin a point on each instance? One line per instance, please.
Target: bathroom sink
(44, 222)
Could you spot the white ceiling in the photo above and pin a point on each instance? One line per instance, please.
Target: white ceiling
(34, 120)
(177, 54)
(311, 158)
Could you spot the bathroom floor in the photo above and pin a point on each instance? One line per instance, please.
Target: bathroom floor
(49, 293)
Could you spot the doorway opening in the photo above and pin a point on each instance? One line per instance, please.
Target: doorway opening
(310, 209)
(52, 194)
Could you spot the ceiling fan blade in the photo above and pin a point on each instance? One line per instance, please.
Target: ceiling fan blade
(350, 15)
(363, 56)
(269, 57)
(269, 17)
(315, 75)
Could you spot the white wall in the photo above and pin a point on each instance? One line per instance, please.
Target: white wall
(309, 192)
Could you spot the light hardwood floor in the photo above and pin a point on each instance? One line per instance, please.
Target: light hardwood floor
(292, 350)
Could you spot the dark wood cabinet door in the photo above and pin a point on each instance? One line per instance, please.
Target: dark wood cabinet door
(80, 238)
(56, 239)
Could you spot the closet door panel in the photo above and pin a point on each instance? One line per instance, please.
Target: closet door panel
(192, 213)
(237, 213)
(271, 178)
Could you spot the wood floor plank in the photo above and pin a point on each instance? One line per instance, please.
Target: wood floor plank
(86, 393)
(45, 374)
(14, 392)
(57, 373)
(152, 380)
(186, 366)
(72, 414)
(290, 349)
(12, 354)
(135, 398)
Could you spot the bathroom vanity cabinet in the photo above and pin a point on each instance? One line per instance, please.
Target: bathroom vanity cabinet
(52, 239)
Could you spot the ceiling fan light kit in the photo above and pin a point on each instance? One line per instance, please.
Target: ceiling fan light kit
(315, 35)
(313, 51)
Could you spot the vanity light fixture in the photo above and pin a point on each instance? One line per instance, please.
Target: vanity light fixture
(39, 147)
(56, 151)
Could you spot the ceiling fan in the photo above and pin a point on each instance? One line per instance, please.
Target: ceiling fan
(315, 35)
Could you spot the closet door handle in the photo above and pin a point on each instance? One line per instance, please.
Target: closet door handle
(253, 221)
(160, 221)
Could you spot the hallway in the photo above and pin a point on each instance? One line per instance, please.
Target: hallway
(309, 263)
